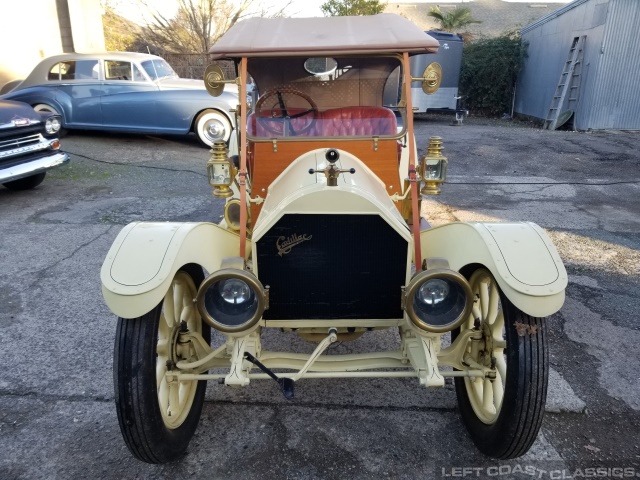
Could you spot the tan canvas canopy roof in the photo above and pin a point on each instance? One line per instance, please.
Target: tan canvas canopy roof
(383, 33)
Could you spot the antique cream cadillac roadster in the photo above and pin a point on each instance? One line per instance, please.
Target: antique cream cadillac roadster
(322, 236)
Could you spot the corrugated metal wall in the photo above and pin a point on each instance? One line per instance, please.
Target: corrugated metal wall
(609, 96)
(616, 100)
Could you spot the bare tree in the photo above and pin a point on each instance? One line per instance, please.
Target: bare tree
(120, 34)
(198, 23)
(333, 8)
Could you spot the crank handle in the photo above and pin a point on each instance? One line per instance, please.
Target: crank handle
(332, 170)
(332, 174)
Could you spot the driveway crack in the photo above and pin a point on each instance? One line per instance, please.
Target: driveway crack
(43, 271)
(48, 397)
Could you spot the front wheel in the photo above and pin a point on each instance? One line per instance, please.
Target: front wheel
(503, 415)
(212, 126)
(157, 414)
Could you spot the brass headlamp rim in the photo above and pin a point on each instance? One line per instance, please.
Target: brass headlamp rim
(227, 215)
(418, 280)
(249, 279)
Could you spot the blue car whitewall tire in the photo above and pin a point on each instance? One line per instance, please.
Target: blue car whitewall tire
(43, 107)
(211, 126)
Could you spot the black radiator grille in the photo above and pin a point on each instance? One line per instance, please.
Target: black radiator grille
(332, 267)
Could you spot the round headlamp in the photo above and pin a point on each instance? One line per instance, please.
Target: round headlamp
(231, 300)
(52, 125)
(438, 301)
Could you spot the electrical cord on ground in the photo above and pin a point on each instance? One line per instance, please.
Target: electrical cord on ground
(588, 184)
(134, 165)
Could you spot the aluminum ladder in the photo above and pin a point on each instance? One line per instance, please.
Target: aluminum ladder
(569, 83)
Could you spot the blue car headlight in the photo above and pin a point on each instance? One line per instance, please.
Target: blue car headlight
(53, 125)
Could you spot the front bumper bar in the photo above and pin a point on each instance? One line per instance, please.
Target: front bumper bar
(29, 168)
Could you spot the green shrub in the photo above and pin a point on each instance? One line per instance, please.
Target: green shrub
(490, 68)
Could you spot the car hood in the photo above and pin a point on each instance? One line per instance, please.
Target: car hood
(190, 84)
(10, 110)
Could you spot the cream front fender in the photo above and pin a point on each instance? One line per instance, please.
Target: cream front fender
(145, 257)
(520, 256)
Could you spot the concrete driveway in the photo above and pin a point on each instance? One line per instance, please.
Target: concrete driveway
(57, 415)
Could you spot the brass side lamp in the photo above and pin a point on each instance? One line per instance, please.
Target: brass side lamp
(434, 167)
(221, 170)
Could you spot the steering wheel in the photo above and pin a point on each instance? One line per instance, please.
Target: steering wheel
(272, 113)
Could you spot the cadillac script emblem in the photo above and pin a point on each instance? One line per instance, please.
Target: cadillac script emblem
(285, 244)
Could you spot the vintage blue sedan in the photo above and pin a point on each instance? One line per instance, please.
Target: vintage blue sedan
(125, 92)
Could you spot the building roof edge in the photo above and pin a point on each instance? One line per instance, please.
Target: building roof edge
(551, 16)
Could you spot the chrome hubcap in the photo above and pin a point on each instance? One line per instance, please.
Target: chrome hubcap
(214, 130)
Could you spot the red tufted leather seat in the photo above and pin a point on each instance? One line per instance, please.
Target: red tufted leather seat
(336, 122)
(357, 121)
(346, 121)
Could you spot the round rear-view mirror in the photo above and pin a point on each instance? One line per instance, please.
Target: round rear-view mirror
(320, 65)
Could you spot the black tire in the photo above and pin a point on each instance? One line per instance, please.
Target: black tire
(146, 432)
(26, 183)
(526, 358)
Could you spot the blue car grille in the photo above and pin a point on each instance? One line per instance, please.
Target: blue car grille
(21, 145)
(16, 133)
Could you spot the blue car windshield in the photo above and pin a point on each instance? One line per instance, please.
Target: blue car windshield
(157, 69)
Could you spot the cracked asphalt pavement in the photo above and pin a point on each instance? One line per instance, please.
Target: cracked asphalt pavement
(57, 414)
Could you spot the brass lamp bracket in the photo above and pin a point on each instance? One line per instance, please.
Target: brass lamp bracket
(396, 197)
